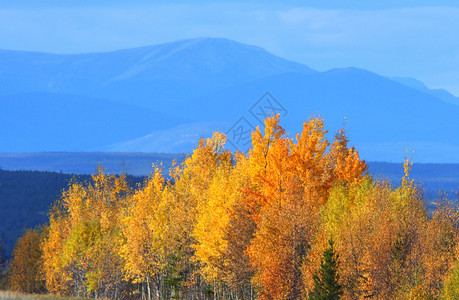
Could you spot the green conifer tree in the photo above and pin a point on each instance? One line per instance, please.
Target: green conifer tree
(326, 286)
(3, 263)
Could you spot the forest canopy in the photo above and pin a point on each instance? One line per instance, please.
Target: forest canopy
(296, 217)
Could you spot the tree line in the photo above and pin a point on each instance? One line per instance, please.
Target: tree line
(296, 217)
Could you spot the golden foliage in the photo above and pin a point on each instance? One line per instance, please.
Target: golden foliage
(250, 225)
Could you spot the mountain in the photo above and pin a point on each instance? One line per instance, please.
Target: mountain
(33, 122)
(419, 85)
(163, 98)
(157, 77)
(180, 139)
(383, 116)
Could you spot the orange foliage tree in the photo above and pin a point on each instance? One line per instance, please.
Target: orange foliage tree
(25, 267)
(240, 226)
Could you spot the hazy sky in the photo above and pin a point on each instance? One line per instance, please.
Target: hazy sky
(395, 38)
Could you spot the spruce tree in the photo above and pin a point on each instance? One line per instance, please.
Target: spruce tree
(3, 264)
(326, 286)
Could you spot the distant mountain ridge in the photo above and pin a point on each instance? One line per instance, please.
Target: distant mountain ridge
(162, 98)
(417, 84)
(135, 75)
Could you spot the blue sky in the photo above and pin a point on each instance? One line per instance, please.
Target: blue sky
(394, 38)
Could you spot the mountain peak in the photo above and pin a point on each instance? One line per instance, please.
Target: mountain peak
(194, 59)
(156, 76)
(217, 54)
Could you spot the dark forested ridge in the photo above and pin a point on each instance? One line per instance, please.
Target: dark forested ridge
(432, 177)
(136, 164)
(26, 197)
